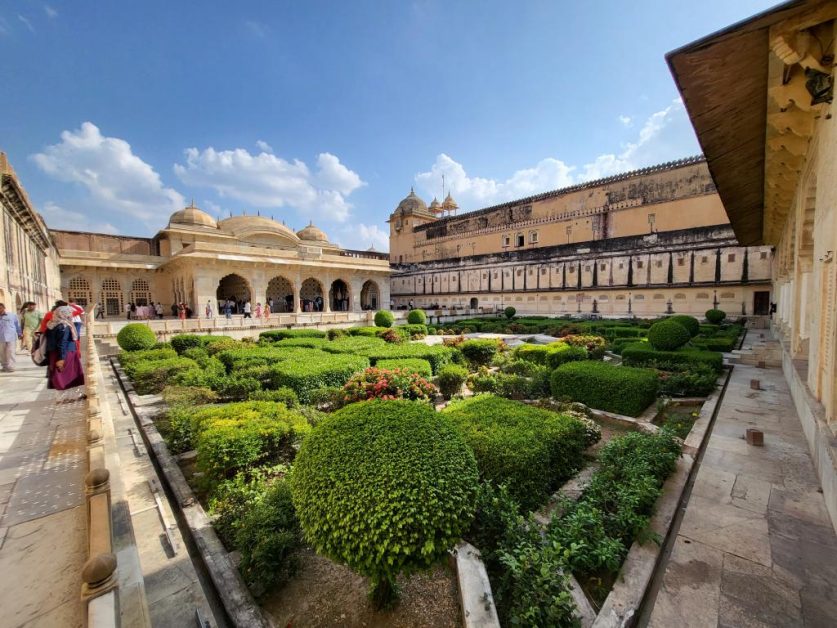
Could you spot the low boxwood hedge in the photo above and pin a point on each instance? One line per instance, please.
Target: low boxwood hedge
(135, 337)
(619, 389)
(416, 365)
(553, 354)
(151, 376)
(317, 370)
(717, 343)
(437, 355)
(129, 359)
(480, 352)
(281, 334)
(369, 332)
(529, 449)
(182, 342)
(643, 354)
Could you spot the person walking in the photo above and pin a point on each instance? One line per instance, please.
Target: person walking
(228, 308)
(78, 312)
(265, 312)
(64, 367)
(10, 333)
(31, 321)
(248, 310)
(128, 311)
(100, 312)
(258, 311)
(208, 310)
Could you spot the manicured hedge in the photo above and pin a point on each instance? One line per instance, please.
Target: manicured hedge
(129, 359)
(182, 342)
(618, 331)
(417, 317)
(715, 316)
(369, 332)
(316, 370)
(599, 385)
(384, 487)
(437, 355)
(529, 449)
(480, 352)
(135, 337)
(422, 367)
(451, 379)
(280, 334)
(642, 354)
(668, 335)
(384, 318)
(553, 354)
(718, 343)
(239, 436)
(243, 356)
(412, 330)
(356, 345)
(691, 324)
(310, 343)
(151, 376)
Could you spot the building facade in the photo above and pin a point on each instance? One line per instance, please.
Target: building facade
(29, 259)
(197, 260)
(645, 243)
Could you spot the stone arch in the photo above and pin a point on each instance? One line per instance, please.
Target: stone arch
(112, 297)
(311, 295)
(281, 290)
(474, 303)
(78, 289)
(140, 292)
(235, 287)
(340, 296)
(370, 295)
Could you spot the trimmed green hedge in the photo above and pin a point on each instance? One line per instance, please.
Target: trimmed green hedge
(553, 354)
(129, 359)
(135, 337)
(384, 487)
(417, 317)
(451, 378)
(668, 335)
(151, 376)
(437, 355)
(384, 318)
(182, 342)
(480, 352)
(416, 365)
(718, 343)
(715, 316)
(369, 332)
(529, 449)
(316, 370)
(642, 354)
(411, 330)
(599, 385)
(281, 334)
(691, 324)
(310, 343)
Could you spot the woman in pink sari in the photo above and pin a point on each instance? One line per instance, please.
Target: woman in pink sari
(64, 367)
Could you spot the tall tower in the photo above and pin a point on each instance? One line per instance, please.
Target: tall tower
(410, 213)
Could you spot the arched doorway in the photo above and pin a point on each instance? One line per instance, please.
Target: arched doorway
(474, 303)
(311, 295)
(339, 296)
(112, 297)
(79, 290)
(235, 288)
(370, 296)
(281, 290)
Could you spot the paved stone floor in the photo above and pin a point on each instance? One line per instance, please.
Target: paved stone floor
(42, 512)
(755, 546)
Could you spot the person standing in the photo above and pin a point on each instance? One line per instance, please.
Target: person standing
(270, 304)
(247, 309)
(258, 311)
(10, 333)
(208, 309)
(228, 307)
(100, 313)
(128, 311)
(265, 312)
(159, 309)
(181, 311)
(31, 321)
(78, 312)
(64, 368)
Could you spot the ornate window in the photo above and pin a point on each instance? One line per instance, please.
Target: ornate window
(112, 299)
(140, 292)
(79, 290)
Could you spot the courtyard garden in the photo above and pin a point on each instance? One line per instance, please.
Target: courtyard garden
(341, 468)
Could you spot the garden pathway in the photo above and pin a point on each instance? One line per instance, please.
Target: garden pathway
(43, 532)
(755, 546)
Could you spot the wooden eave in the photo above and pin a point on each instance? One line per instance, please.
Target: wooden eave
(723, 79)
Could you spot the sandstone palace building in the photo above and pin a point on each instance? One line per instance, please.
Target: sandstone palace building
(645, 243)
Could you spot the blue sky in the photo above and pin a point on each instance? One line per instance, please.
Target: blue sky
(115, 114)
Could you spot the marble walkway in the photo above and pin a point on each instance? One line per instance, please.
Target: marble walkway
(42, 503)
(755, 546)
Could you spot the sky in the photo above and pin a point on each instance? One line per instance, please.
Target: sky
(116, 114)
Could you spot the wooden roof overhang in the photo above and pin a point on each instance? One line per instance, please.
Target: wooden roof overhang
(724, 80)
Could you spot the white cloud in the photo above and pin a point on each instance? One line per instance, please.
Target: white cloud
(59, 218)
(115, 177)
(51, 12)
(267, 181)
(256, 28)
(665, 135)
(26, 23)
(360, 237)
(626, 120)
(264, 146)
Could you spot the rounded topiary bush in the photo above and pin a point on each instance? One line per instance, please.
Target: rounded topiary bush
(668, 335)
(384, 318)
(451, 378)
(417, 317)
(384, 487)
(715, 316)
(135, 337)
(691, 324)
(510, 312)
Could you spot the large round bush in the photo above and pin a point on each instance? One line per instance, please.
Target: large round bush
(135, 337)
(417, 317)
(715, 316)
(384, 487)
(691, 324)
(668, 335)
(384, 318)
(510, 312)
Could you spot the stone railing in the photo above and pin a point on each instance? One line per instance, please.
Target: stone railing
(99, 589)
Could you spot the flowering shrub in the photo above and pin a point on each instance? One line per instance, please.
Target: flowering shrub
(454, 342)
(397, 383)
(595, 345)
(390, 335)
